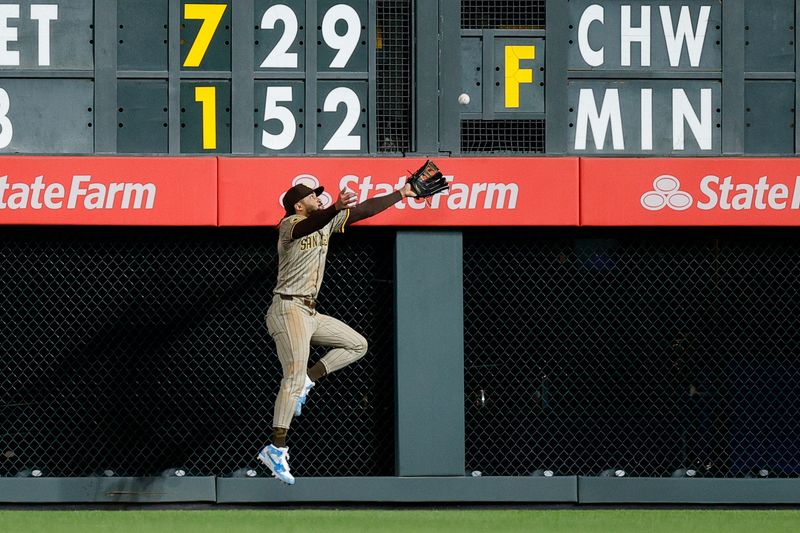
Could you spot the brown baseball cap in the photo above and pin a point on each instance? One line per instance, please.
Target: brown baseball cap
(297, 193)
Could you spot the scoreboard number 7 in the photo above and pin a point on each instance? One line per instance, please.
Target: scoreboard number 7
(211, 15)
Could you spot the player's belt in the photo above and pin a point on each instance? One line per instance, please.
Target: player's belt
(311, 304)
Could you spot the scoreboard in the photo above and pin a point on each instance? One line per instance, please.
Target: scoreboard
(353, 77)
(306, 64)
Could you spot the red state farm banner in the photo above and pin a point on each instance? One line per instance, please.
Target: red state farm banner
(483, 191)
(690, 192)
(133, 191)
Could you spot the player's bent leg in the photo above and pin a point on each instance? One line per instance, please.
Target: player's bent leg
(348, 346)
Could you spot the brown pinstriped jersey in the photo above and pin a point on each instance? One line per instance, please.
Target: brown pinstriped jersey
(301, 262)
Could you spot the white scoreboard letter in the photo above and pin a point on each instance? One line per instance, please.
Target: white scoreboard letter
(683, 111)
(629, 35)
(8, 35)
(44, 13)
(593, 13)
(609, 113)
(647, 119)
(694, 39)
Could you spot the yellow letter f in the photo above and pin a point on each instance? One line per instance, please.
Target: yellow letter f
(515, 75)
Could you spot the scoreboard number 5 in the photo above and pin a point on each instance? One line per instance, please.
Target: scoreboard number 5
(273, 111)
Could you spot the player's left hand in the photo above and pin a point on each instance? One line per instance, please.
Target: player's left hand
(407, 191)
(346, 200)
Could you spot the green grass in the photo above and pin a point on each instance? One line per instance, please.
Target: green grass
(410, 521)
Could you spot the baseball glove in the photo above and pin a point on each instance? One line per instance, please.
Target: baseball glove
(427, 180)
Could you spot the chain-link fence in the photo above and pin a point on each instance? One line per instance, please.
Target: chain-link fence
(393, 80)
(632, 349)
(503, 136)
(502, 14)
(138, 350)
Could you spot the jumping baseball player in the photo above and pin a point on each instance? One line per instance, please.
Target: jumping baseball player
(292, 319)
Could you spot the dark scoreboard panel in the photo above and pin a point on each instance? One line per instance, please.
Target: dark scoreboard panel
(46, 34)
(41, 115)
(312, 77)
(46, 115)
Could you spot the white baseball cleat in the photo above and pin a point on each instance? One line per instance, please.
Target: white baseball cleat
(277, 460)
(301, 401)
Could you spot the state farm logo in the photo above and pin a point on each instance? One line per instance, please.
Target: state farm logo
(80, 193)
(666, 192)
(725, 194)
(461, 196)
(312, 182)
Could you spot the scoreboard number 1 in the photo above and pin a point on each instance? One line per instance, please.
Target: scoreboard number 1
(207, 97)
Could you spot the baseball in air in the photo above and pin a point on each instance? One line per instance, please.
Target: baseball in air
(463, 99)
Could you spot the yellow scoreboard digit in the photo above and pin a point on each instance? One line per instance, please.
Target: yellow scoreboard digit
(205, 35)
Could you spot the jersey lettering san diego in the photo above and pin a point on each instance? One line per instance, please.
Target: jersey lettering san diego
(314, 240)
(301, 262)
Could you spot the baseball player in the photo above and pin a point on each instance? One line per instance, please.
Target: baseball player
(292, 319)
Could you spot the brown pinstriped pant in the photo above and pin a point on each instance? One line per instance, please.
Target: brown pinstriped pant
(295, 327)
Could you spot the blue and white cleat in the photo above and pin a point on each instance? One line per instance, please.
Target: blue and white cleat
(277, 460)
(301, 401)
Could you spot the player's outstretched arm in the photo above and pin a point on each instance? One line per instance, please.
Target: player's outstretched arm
(373, 206)
(318, 219)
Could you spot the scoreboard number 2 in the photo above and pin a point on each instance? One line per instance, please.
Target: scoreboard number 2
(343, 139)
(280, 57)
